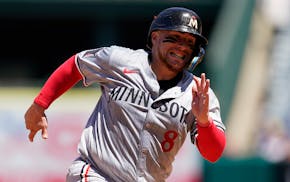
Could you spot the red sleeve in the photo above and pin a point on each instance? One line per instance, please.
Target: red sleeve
(62, 79)
(211, 142)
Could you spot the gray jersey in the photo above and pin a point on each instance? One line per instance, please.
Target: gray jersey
(134, 133)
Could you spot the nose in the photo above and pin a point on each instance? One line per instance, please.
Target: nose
(182, 46)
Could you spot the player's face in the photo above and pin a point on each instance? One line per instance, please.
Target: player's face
(173, 49)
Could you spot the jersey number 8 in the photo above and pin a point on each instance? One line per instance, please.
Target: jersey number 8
(168, 142)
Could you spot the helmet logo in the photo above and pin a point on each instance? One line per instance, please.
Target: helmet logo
(193, 23)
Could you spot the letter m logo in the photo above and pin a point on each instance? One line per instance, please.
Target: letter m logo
(193, 23)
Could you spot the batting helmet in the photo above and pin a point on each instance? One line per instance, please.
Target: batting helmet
(182, 20)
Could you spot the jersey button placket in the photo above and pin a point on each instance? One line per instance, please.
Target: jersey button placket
(142, 157)
(147, 125)
(141, 162)
(143, 151)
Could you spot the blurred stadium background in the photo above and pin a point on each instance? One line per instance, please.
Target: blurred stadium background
(247, 60)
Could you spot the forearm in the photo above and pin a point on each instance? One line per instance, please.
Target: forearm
(211, 142)
(62, 79)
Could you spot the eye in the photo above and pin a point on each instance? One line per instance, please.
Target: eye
(191, 44)
(170, 39)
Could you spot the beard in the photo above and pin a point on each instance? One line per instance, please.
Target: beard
(173, 67)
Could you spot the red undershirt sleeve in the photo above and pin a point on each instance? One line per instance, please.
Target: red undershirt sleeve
(211, 142)
(62, 79)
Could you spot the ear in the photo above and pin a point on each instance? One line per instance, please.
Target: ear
(154, 37)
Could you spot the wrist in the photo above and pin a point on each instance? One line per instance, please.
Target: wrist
(41, 101)
(204, 123)
(38, 107)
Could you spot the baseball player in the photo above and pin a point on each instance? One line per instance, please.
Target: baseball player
(149, 103)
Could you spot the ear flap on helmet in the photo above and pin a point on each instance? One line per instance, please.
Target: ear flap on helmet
(196, 59)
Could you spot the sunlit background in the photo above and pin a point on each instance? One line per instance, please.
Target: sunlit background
(247, 60)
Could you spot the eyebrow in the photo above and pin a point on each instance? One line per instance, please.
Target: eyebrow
(176, 35)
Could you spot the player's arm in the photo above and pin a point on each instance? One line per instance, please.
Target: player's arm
(62, 79)
(210, 140)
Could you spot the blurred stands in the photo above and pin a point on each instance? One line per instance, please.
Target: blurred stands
(37, 36)
(258, 120)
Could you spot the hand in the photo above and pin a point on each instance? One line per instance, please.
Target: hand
(35, 120)
(200, 100)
